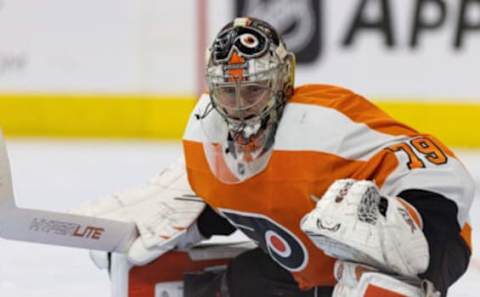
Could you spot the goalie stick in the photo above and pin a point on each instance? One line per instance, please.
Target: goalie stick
(57, 228)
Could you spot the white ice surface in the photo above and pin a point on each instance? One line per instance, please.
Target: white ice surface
(60, 175)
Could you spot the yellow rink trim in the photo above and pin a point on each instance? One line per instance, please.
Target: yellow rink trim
(165, 117)
(456, 124)
(130, 116)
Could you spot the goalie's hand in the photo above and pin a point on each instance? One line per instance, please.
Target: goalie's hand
(164, 211)
(355, 280)
(353, 222)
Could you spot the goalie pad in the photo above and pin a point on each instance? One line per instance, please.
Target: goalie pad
(164, 212)
(354, 280)
(353, 222)
(165, 275)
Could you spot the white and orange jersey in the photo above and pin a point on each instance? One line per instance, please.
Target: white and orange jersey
(326, 133)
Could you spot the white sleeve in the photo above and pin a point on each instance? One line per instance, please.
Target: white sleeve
(449, 178)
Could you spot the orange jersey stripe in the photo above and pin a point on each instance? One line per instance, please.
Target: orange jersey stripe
(358, 109)
(354, 106)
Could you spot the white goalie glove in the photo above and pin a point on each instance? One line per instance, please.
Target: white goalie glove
(353, 222)
(164, 210)
(356, 280)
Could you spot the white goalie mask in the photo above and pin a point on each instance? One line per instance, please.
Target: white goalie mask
(250, 77)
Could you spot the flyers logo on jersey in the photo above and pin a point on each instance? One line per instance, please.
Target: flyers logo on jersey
(282, 245)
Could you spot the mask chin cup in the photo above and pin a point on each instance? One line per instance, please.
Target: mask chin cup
(230, 161)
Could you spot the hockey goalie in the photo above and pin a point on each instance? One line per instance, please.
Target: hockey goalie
(339, 198)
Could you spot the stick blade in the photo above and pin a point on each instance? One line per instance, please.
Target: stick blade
(56, 228)
(66, 229)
